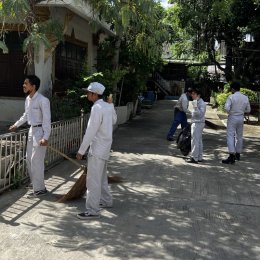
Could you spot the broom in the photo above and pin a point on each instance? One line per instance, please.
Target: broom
(79, 188)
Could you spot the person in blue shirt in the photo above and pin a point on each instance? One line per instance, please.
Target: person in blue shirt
(179, 115)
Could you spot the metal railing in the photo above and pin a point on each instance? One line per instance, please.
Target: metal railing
(12, 158)
(66, 137)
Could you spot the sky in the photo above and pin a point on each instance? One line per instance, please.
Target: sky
(164, 3)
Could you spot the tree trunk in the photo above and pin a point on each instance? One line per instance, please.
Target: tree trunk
(229, 63)
(30, 69)
(115, 63)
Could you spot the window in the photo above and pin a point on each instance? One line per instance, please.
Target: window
(69, 60)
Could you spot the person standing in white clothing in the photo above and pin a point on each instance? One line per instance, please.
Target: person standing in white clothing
(98, 138)
(236, 106)
(37, 114)
(197, 126)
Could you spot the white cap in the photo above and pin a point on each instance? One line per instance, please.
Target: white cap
(95, 87)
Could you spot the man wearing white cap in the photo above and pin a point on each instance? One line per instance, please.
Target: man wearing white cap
(98, 138)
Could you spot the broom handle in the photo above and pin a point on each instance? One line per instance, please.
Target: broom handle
(66, 156)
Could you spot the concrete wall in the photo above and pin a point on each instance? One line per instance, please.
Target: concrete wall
(121, 114)
(124, 113)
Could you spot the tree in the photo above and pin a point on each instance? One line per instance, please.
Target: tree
(205, 22)
(140, 34)
(137, 22)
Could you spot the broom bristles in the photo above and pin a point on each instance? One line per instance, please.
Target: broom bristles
(79, 188)
(114, 179)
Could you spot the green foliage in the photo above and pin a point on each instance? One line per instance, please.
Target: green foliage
(252, 96)
(39, 32)
(70, 105)
(221, 9)
(139, 23)
(196, 72)
(108, 78)
(52, 27)
(133, 69)
(36, 38)
(221, 98)
(17, 179)
(3, 47)
(140, 67)
(226, 88)
(23, 12)
(14, 10)
(197, 25)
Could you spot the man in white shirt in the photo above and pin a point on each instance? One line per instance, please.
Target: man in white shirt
(197, 126)
(236, 106)
(98, 138)
(37, 114)
(179, 115)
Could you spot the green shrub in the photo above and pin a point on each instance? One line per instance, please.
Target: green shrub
(221, 98)
(226, 88)
(69, 105)
(252, 96)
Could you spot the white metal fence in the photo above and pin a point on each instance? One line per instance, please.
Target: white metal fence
(12, 158)
(66, 137)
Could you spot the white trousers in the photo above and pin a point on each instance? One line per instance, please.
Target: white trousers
(235, 125)
(35, 155)
(196, 141)
(97, 185)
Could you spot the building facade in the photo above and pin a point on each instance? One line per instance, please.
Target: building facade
(64, 60)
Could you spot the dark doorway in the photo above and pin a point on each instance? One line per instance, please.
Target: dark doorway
(12, 66)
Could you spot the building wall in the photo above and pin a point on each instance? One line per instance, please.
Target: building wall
(80, 29)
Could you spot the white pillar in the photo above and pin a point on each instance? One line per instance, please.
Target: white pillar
(43, 69)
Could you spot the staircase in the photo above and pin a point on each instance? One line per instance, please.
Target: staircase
(162, 84)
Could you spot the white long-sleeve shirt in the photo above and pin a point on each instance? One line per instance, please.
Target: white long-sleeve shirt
(182, 103)
(99, 132)
(237, 104)
(37, 112)
(198, 112)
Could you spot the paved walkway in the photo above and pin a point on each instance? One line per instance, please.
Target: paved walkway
(165, 209)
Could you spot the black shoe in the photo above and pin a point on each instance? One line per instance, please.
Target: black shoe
(200, 160)
(87, 215)
(170, 139)
(237, 156)
(230, 159)
(105, 206)
(191, 160)
(36, 194)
